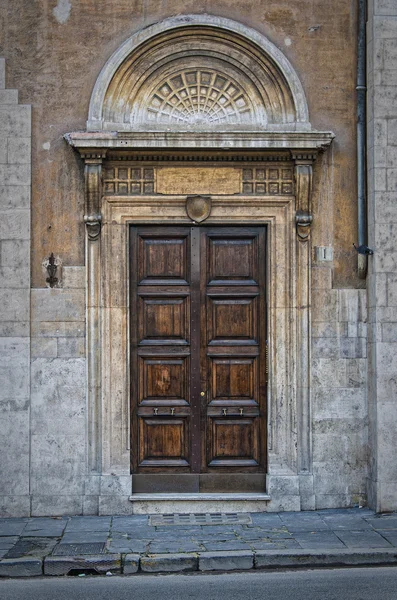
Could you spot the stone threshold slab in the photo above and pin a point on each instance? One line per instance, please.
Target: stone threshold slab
(128, 564)
(199, 503)
(221, 497)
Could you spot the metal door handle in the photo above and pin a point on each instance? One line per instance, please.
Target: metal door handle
(172, 410)
(241, 411)
(224, 410)
(155, 410)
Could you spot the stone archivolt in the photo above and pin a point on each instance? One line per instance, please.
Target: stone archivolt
(195, 77)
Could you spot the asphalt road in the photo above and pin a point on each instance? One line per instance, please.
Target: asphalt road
(338, 584)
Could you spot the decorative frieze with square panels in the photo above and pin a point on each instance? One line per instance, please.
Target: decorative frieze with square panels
(129, 180)
(268, 180)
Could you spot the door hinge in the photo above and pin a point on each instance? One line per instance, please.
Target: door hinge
(267, 359)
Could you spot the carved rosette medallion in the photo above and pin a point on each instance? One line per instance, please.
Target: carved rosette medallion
(198, 208)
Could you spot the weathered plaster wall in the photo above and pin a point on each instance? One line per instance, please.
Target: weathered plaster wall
(55, 69)
(382, 280)
(15, 134)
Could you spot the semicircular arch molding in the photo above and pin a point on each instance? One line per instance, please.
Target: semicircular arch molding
(198, 72)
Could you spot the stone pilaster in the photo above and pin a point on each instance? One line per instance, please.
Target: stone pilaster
(93, 221)
(303, 184)
(382, 267)
(15, 181)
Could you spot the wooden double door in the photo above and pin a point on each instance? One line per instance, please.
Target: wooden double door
(198, 358)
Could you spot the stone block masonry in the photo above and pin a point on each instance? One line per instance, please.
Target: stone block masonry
(382, 276)
(15, 189)
(338, 393)
(58, 395)
(42, 418)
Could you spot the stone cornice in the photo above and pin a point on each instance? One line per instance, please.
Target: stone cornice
(87, 141)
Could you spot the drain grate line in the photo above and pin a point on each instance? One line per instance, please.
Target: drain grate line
(200, 519)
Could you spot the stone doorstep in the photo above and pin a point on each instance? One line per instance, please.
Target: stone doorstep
(128, 564)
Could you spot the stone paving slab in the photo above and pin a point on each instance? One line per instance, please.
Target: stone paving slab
(44, 527)
(363, 539)
(390, 536)
(12, 526)
(319, 539)
(76, 537)
(28, 547)
(383, 522)
(31, 547)
(92, 524)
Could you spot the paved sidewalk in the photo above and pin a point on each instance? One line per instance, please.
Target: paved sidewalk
(131, 544)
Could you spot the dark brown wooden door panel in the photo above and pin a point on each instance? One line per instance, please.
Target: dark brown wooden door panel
(232, 259)
(164, 381)
(232, 320)
(233, 381)
(234, 442)
(164, 258)
(164, 442)
(198, 328)
(163, 319)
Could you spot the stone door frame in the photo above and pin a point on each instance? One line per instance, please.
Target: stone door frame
(288, 218)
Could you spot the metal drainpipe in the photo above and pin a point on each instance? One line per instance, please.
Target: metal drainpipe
(361, 137)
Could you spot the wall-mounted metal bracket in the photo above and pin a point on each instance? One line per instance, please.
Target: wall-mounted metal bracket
(52, 268)
(363, 249)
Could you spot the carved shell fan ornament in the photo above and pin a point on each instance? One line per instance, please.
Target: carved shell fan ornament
(199, 98)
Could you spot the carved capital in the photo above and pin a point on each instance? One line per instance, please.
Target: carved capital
(93, 193)
(303, 186)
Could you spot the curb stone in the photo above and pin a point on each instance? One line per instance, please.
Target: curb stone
(234, 560)
(101, 563)
(171, 563)
(21, 567)
(130, 564)
(271, 559)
